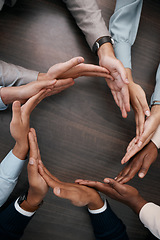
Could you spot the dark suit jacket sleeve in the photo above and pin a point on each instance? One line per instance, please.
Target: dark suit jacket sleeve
(107, 226)
(12, 223)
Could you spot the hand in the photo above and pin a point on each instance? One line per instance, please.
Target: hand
(23, 93)
(139, 103)
(19, 126)
(141, 162)
(67, 71)
(38, 188)
(118, 82)
(120, 192)
(78, 195)
(150, 127)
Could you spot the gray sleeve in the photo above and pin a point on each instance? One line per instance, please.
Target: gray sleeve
(12, 75)
(156, 94)
(89, 19)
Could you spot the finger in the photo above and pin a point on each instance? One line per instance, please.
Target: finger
(33, 102)
(61, 68)
(32, 169)
(47, 171)
(45, 84)
(16, 111)
(144, 105)
(124, 112)
(115, 185)
(51, 182)
(63, 82)
(131, 144)
(62, 193)
(122, 173)
(33, 146)
(114, 93)
(134, 168)
(125, 97)
(122, 72)
(145, 167)
(94, 184)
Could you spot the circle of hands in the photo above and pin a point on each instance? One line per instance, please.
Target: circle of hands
(83, 192)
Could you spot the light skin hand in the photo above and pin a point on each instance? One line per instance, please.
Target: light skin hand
(78, 195)
(150, 127)
(66, 73)
(19, 126)
(120, 192)
(140, 162)
(138, 102)
(38, 188)
(23, 93)
(118, 83)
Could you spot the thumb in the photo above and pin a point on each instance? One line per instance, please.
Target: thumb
(122, 72)
(61, 68)
(145, 167)
(16, 109)
(51, 182)
(115, 185)
(32, 169)
(62, 193)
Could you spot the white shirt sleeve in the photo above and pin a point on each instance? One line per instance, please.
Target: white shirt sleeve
(156, 137)
(150, 217)
(10, 169)
(22, 211)
(100, 210)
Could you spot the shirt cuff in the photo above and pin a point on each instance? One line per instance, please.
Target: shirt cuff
(22, 211)
(2, 105)
(11, 167)
(149, 216)
(156, 137)
(123, 53)
(100, 210)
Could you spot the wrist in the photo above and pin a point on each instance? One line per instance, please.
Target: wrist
(137, 204)
(27, 207)
(34, 199)
(96, 202)
(155, 110)
(106, 49)
(42, 77)
(21, 150)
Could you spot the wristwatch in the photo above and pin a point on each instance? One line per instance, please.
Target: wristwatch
(100, 42)
(24, 198)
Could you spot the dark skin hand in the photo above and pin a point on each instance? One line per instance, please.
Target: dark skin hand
(140, 162)
(120, 192)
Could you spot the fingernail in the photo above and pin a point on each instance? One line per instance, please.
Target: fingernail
(141, 175)
(147, 113)
(31, 161)
(139, 143)
(115, 178)
(106, 180)
(80, 60)
(127, 80)
(57, 190)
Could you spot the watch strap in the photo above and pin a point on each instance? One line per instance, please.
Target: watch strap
(100, 42)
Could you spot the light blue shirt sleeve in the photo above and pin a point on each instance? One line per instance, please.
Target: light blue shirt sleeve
(156, 94)
(123, 27)
(10, 169)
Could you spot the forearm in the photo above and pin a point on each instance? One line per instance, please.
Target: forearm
(13, 223)
(12, 75)
(89, 19)
(10, 168)
(123, 27)
(107, 225)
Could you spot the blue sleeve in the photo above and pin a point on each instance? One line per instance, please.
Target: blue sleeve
(156, 94)
(123, 27)
(107, 226)
(10, 168)
(12, 223)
